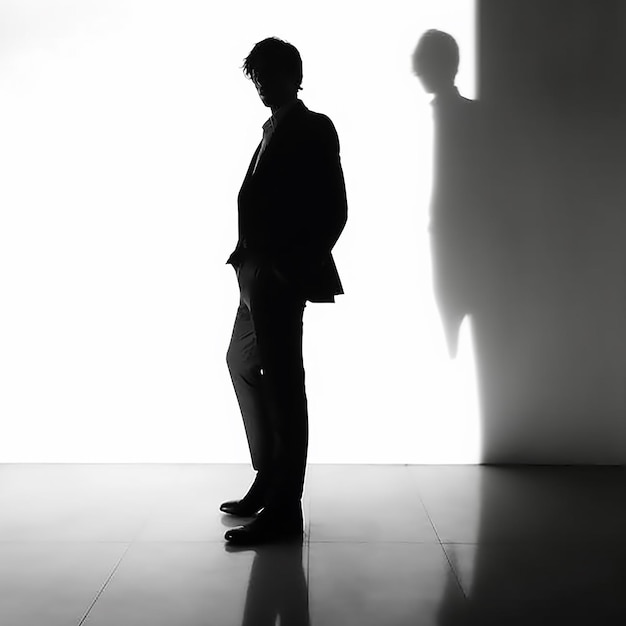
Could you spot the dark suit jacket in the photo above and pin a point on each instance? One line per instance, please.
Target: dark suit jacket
(293, 208)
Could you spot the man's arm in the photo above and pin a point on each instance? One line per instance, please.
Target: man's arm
(324, 206)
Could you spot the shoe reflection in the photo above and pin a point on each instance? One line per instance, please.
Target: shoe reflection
(277, 589)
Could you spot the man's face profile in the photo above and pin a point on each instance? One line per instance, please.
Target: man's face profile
(273, 86)
(433, 76)
(428, 80)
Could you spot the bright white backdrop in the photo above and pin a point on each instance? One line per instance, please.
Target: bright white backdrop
(125, 131)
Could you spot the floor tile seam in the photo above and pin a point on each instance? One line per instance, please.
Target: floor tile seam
(430, 519)
(531, 542)
(374, 541)
(220, 541)
(65, 541)
(415, 482)
(443, 549)
(106, 542)
(308, 542)
(308, 503)
(454, 571)
(106, 582)
(214, 541)
(308, 576)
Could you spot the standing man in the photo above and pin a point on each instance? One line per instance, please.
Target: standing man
(292, 209)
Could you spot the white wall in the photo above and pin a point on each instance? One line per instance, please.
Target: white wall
(125, 131)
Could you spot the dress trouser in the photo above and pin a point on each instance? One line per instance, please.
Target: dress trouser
(265, 363)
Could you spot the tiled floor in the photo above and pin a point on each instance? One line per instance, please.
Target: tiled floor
(125, 545)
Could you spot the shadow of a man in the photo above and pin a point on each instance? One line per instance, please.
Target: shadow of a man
(457, 221)
(474, 232)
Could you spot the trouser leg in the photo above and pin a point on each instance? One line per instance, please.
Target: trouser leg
(277, 317)
(244, 364)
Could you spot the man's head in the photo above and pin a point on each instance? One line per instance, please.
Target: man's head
(436, 60)
(275, 67)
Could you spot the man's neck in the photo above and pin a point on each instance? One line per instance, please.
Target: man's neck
(275, 107)
(447, 91)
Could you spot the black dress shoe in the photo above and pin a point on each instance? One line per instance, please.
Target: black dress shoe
(267, 528)
(241, 508)
(251, 503)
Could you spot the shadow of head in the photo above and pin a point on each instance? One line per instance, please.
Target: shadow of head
(436, 61)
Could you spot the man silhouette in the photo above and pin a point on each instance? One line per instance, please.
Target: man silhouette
(292, 208)
(458, 194)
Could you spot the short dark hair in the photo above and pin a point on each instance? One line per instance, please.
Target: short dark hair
(280, 55)
(437, 49)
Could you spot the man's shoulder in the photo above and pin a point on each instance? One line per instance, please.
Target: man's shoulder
(319, 125)
(311, 129)
(314, 117)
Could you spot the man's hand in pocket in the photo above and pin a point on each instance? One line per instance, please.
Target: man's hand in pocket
(280, 276)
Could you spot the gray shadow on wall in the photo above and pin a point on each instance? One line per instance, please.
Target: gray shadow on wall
(551, 346)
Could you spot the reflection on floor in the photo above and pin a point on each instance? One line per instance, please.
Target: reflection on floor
(446, 545)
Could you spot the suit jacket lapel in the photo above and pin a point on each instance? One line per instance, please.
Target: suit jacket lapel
(281, 131)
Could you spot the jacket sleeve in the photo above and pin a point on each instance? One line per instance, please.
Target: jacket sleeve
(324, 205)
